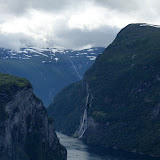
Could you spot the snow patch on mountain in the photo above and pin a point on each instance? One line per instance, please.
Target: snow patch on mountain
(92, 58)
(56, 59)
(90, 50)
(150, 25)
(49, 54)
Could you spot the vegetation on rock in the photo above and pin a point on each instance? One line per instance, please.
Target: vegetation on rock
(125, 84)
(26, 132)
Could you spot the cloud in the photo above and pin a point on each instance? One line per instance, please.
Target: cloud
(120, 5)
(19, 7)
(77, 38)
(15, 41)
(141, 11)
(71, 23)
(45, 29)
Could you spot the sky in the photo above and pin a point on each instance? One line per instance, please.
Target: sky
(70, 24)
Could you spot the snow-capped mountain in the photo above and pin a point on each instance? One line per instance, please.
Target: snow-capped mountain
(48, 69)
(49, 53)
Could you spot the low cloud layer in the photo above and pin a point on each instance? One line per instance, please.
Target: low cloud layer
(70, 24)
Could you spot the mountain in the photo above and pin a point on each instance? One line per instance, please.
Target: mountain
(117, 103)
(48, 70)
(25, 130)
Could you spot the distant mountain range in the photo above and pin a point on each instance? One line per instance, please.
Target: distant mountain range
(117, 103)
(49, 69)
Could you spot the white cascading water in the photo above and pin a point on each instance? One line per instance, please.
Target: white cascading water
(74, 67)
(84, 123)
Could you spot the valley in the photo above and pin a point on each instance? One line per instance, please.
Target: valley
(116, 104)
(48, 70)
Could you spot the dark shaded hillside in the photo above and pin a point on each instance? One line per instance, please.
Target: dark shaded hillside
(26, 132)
(121, 94)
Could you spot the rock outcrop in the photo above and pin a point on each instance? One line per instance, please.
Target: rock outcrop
(26, 132)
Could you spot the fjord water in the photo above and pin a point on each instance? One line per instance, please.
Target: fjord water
(77, 150)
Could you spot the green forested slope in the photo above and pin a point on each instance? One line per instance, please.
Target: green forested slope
(124, 88)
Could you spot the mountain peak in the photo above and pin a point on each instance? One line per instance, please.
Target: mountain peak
(138, 34)
(139, 28)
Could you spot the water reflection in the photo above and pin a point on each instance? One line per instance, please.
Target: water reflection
(77, 150)
(75, 147)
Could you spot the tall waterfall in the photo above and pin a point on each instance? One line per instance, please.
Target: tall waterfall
(84, 120)
(83, 125)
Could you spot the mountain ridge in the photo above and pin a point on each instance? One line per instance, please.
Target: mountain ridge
(120, 93)
(50, 69)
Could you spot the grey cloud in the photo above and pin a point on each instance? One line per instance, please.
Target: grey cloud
(66, 37)
(71, 39)
(120, 5)
(77, 38)
(146, 10)
(19, 7)
(15, 41)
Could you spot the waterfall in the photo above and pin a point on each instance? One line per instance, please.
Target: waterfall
(87, 97)
(84, 123)
(74, 67)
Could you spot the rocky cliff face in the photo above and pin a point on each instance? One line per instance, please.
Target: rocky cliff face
(122, 91)
(25, 130)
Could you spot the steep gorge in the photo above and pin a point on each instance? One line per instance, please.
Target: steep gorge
(125, 87)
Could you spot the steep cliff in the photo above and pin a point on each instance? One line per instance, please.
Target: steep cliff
(119, 96)
(25, 130)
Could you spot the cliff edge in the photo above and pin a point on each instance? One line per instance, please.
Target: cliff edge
(26, 132)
